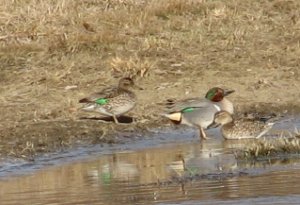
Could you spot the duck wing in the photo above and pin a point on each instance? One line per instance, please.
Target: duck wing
(202, 115)
(253, 128)
(178, 106)
(106, 93)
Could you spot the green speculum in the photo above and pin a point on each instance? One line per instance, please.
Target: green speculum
(102, 101)
(189, 109)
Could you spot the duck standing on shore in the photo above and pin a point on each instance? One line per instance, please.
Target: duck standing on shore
(112, 101)
(200, 112)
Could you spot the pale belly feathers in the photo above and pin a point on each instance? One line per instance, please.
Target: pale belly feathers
(109, 110)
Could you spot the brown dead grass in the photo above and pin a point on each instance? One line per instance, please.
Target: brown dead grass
(54, 52)
(271, 148)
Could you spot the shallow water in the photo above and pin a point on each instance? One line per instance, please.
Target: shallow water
(177, 174)
(163, 169)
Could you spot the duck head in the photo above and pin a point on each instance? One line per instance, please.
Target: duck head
(222, 118)
(127, 82)
(217, 94)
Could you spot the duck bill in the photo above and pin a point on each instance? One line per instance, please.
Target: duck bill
(228, 92)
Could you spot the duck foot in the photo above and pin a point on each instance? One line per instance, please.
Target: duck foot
(202, 134)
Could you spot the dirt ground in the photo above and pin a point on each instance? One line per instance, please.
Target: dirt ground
(56, 52)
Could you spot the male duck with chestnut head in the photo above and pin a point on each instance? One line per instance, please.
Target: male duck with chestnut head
(200, 112)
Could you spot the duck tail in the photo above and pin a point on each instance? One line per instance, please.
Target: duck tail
(271, 119)
(169, 103)
(174, 117)
(84, 100)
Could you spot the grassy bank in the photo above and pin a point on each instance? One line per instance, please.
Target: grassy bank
(53, 53)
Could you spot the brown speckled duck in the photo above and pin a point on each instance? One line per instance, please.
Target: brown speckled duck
(112, 101)
(241, 128)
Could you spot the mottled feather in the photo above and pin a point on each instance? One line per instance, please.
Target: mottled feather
(113, 100)
(108, 92)
(241, 128)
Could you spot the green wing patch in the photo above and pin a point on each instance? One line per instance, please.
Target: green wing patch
(188, 109)
(102, 101)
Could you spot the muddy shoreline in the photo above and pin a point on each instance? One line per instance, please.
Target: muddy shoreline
(173, 49)
(29, 140)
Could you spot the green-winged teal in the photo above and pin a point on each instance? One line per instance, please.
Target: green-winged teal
(200, 112)
(112, 101)
(241, 128)
(217, 96)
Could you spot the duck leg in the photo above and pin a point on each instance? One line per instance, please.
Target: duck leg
(202, 134)
(115, 119)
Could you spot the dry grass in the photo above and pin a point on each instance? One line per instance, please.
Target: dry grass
(270, 148)
(134, 66)
(54, 52)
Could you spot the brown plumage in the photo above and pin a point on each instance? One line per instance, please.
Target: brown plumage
(112, 101)
(241, 128)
